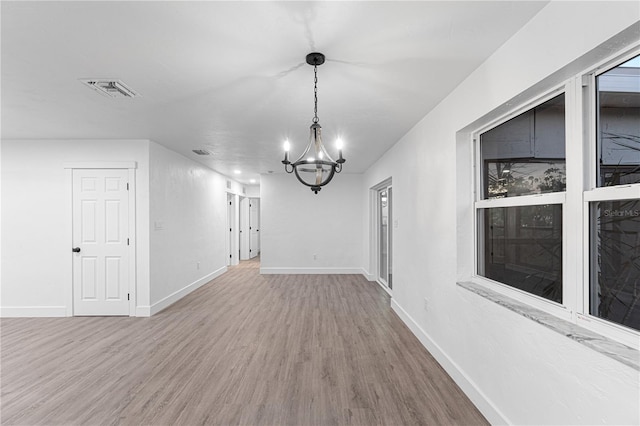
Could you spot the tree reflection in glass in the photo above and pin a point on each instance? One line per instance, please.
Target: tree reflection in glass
(615, 285)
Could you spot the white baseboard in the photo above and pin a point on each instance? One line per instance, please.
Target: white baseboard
(368, 276)
(480, 400)
(143, 311)
(384, 287)
(32, 311)
(177, 295)
(313, 271)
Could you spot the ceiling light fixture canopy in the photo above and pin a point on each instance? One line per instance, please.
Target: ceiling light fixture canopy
(315, 167)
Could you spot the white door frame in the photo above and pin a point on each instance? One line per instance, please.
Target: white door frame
(236, 230)
(233, 222)
(243, 226)
(254, 228)
(229, 229)
(374, 237)
(131, 166)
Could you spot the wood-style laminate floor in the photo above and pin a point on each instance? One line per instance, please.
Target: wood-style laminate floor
(244, 349)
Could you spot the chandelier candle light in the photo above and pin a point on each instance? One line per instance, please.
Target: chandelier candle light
(315, 167)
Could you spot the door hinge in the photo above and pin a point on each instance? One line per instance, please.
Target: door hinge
(249, 228)
(127, 241)
(229, 229)
(127, 186)
(229, 202)
(128, 296)
(230, 256)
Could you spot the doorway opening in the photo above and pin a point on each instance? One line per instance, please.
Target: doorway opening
(385, 270)
(243, 251)
(254, 227)
(248, 228)
(382, 234)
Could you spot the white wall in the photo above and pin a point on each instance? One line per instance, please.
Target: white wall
(181, 226)
(36, 236)
(252, 191)
(297, 224)
(515, 370)
(188, 225)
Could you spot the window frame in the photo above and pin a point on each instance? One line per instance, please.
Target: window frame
(581, 190)
(557, 309)
(593, 193)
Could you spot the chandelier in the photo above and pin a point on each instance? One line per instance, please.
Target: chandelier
(315, 167)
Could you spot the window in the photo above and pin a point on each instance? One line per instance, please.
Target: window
(520, 237)
(614, 217)
(566, 239)
(523, 248)
(526, 155)
(615, 284)
(618, 124)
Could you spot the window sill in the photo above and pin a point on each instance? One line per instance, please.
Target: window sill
(622, 353)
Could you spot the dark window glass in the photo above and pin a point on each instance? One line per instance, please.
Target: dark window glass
(523, 248)
(618, 124)
(526, 155)
(615, 252)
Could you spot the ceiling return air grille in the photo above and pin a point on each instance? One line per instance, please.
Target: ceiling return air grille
(201, 151)
(110, 87)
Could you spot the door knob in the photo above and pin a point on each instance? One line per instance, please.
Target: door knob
(76, 249)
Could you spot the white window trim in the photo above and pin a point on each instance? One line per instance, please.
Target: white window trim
(564, 310)
(580, 149)
(523, 200)
(612, 193)
(592, 193)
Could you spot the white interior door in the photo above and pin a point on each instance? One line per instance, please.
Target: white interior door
(254, 227)
(244, 228)
(230, 225)
(100, 242)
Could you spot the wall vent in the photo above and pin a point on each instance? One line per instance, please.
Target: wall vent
(110, 87)
(201, 151)
(228, 184)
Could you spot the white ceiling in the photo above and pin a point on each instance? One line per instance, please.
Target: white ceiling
(230, 77)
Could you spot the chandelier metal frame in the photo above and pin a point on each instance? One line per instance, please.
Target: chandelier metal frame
(314, 161)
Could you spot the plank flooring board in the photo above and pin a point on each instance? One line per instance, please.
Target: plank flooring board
(244, 349)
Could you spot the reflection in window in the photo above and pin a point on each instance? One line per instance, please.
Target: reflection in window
(523, 248)
(615, 284)
(526, 155)
(618, 122)
(513, 178)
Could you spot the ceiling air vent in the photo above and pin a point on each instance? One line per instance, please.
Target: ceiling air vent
(111, 88)
(201, 151)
